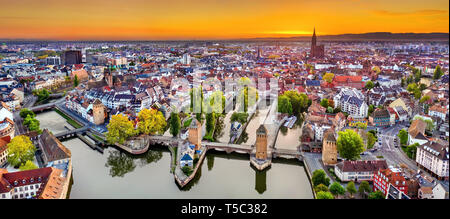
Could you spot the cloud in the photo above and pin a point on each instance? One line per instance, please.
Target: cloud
(411, 13)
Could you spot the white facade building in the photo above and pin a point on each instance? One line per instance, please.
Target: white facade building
(434, 157)
(352, 102)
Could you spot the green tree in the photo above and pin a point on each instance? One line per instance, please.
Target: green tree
(25, 112)
(437, 73)
(187, 170)
(336, 189)
(349, 144)
(411, 87)
(422, 87)
(29, 165)
(320, 177)
(417, 74)
(411, 150)
(20, 150)
(210, 122)
(417, 94)
(424, 99)
(120, 128)
(245, 101)
(284, 105)
(364, 187)
(330, 109)
(32, 123)
(371, 109)
(299, 101)
(75, 81)
(239, 117)
(369, 85)
(175, 124)
(321, 187)
(196, 105)
(151, 122)
(42, 94)
(324, 102)
(376, 195)
(351, 189)
(216, 102)
(324, 195)
(403, 135)
(371, 139)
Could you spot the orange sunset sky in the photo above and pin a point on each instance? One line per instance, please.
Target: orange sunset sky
(214, 19)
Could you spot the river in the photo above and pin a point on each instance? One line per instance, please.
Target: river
(289, 138)
(116, 174)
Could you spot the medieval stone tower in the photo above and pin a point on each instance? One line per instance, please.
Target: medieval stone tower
(98, 111)
(195, 133)
(108, 77)
(329, 148)
(261, 143)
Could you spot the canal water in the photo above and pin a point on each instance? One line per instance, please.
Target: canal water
(289, 138)
(116, 174)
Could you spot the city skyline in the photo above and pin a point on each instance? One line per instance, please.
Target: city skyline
(214, 20)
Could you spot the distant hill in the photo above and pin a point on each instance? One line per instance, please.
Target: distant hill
(375, 36)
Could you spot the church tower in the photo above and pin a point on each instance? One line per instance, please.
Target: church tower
(316, 51)
(313, 41)
(261, 143)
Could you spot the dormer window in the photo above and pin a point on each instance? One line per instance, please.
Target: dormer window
(24, 181)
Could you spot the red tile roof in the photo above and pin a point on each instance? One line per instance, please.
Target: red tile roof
(22, 178)
(362, 165)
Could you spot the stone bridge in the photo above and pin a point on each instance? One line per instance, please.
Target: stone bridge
(287, 152)
(43, 107)
(46, 106)
(71, 133)
(243, 149)
(167, 140)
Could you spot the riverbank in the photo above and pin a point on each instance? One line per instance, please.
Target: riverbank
(68, 119)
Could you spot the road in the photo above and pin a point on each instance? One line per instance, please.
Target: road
(389, 149)
(28, 102)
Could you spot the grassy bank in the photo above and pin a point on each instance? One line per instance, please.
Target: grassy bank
(69, 120)
(97, 137)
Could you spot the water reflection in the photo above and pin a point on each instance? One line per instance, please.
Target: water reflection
(261, 180)
(289, 138)
(193, 182)
(151, 156)
(210, 161)
(284, 130)
(117, 169)
(243, 138)
(119, 163)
